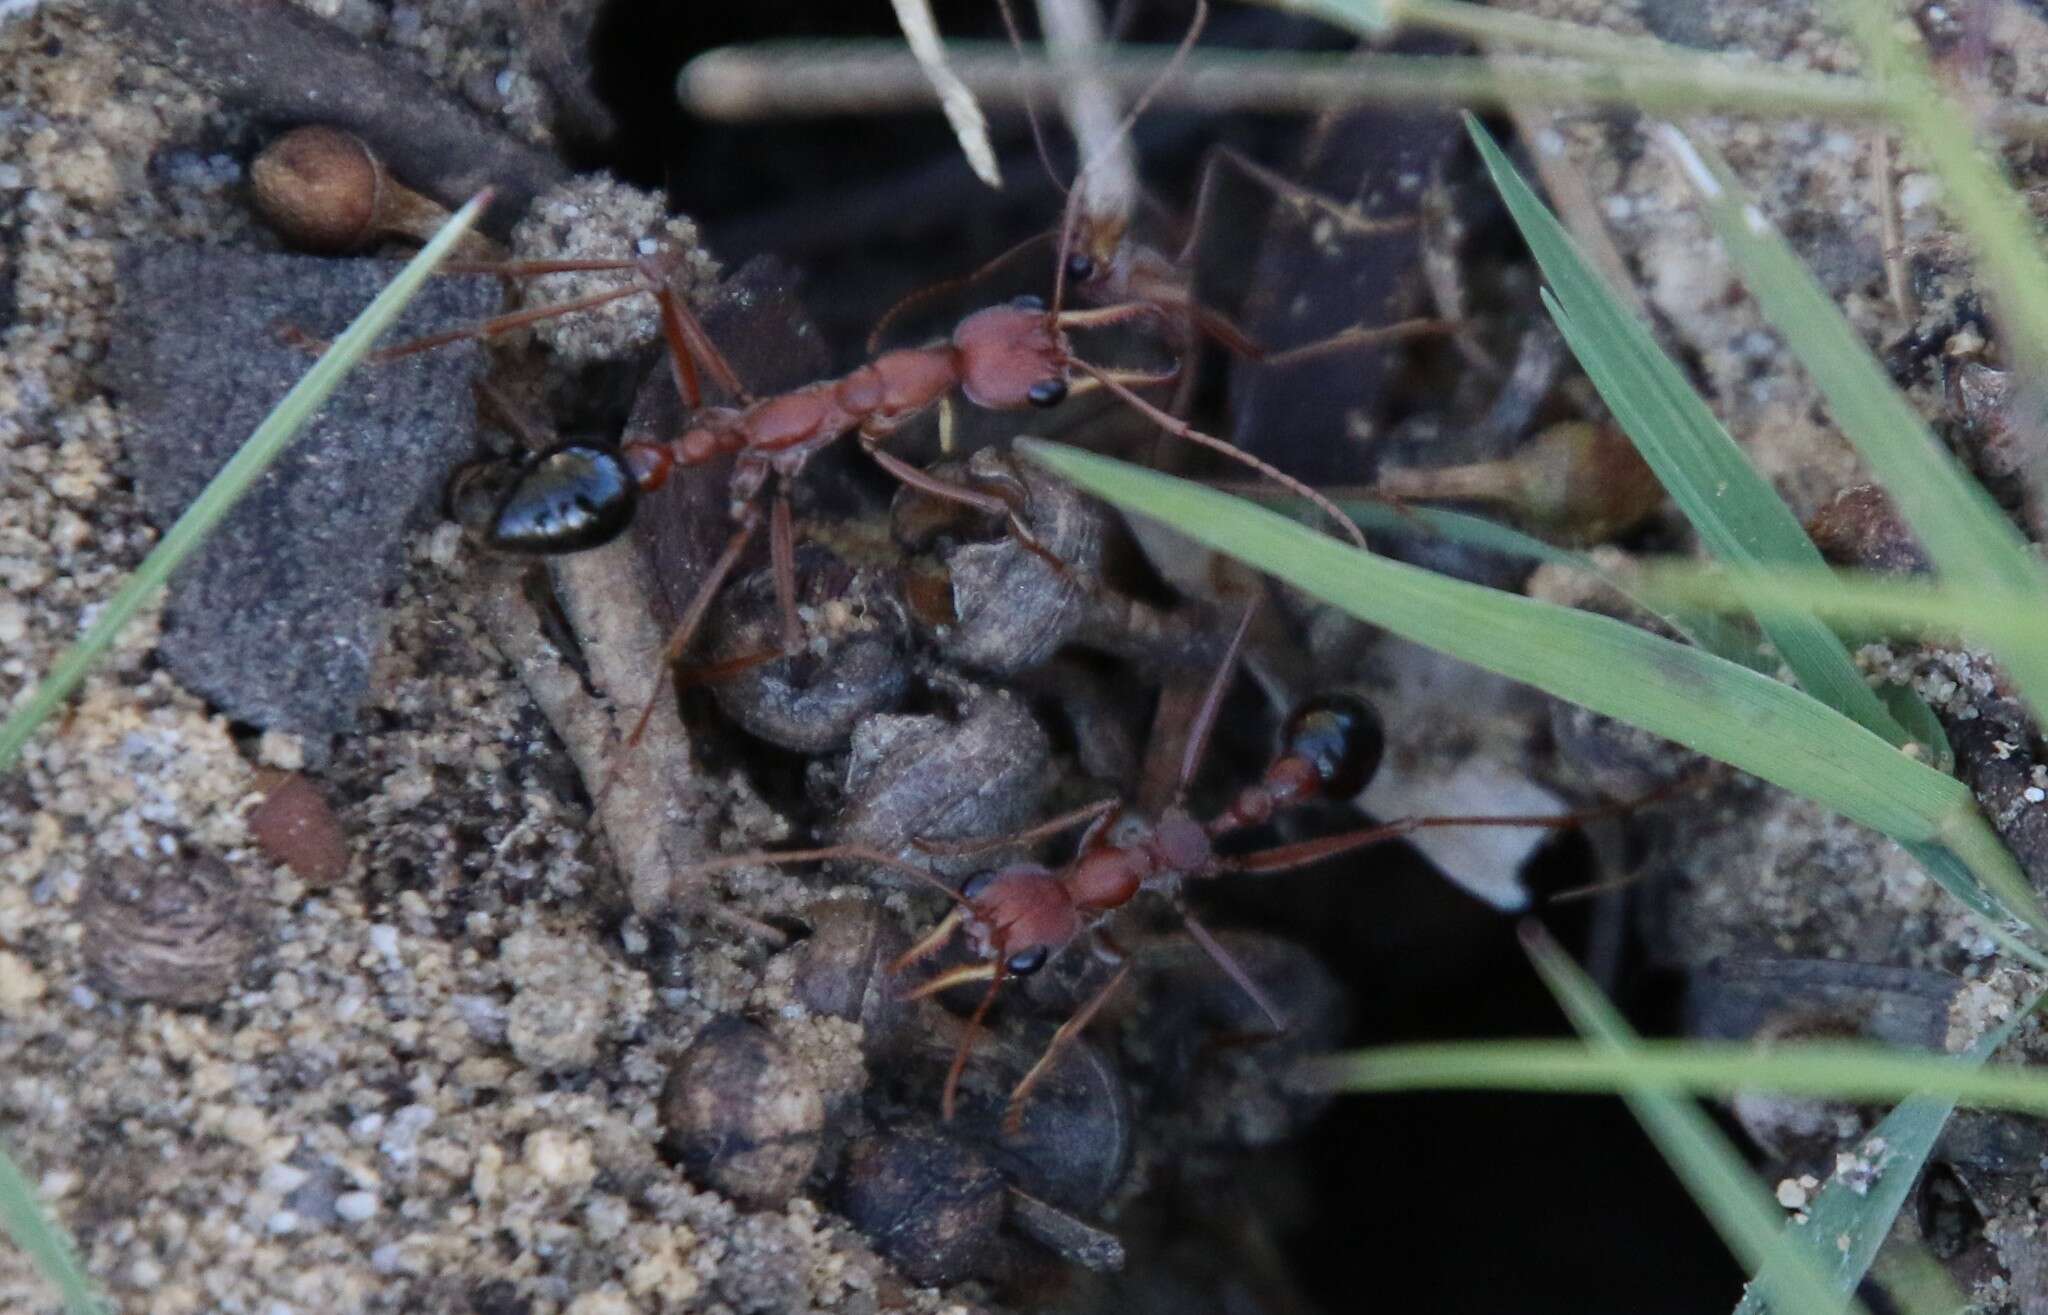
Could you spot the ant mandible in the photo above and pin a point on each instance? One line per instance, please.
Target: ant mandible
(1016, 918)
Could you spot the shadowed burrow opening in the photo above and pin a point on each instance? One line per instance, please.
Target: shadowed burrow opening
(1554, 1204)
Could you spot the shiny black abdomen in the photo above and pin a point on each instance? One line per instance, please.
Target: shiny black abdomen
(576, 496)
(1341, 736)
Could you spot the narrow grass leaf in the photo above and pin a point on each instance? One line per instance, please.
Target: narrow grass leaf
(1846, 1222)
(1699, 1153)
(1969, 539)
(1889, 604)
(44, 1242)
(1839, 1070)
(1735, 511)
(235, 478)
(1699, 625)
(1721, 709)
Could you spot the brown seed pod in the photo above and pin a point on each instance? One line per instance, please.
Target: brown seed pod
(294, 826)
(842, 968)
(1214, 1050)
(853, 668)
(323, 189)
(990, 602)
(1575, 482)
(1072, 1144)
(742, 1114)
(176, 935)
(927, 1202)
(980, 772)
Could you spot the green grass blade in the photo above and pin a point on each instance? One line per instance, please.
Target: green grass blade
(1736, 512)
(1890, 604)
(242, 470)
(1839, 1070)
(1710, 1166)
(1702, 627)
(1717, 707)
(1847, 1222)
(45, 1244)
(1969, 539)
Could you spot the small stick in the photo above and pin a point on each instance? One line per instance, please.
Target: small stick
(648, 815)
(776, 79)
(1897, 281)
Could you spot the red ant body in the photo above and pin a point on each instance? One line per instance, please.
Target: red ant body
(581, 495)
(1016, 918)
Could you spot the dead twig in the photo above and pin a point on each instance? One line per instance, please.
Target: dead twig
(652, 812)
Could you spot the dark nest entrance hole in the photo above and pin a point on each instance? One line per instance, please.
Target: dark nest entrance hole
(1524, 1203)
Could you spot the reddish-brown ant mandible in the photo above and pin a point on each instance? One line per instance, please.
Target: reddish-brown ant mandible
(1016, 918)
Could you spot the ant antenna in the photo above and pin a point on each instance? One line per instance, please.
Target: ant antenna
(1181, 429)
(1212, 702)
(950, 1097)
(1122, 130)
(1030, 99)
(945, 287)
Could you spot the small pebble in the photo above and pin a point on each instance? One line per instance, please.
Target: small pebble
(295, 827)
(355, 1207)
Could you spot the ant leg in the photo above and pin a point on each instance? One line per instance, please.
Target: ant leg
(1303, 201)
(782, 551)
(481, 331)
(493, 405)
(1182, 429)
(693, 616)
(983, 844)
(1285, 858)
(934, 290)
(1362, 336)
(830, 853)
(1204, 722)
(1235, 971)
(951, 1096)
(1013, 1112)
(987, 503)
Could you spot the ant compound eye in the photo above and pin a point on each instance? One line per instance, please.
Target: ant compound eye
(1047, 393)
(1341, 736)
(1028, 301)
(576, 496)
(976, 885)
(1080, 266)
(1026, 962)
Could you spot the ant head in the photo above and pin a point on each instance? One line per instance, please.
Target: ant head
(576, 496)
(1012, 356)
(1341, 737)
(1019, 915)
